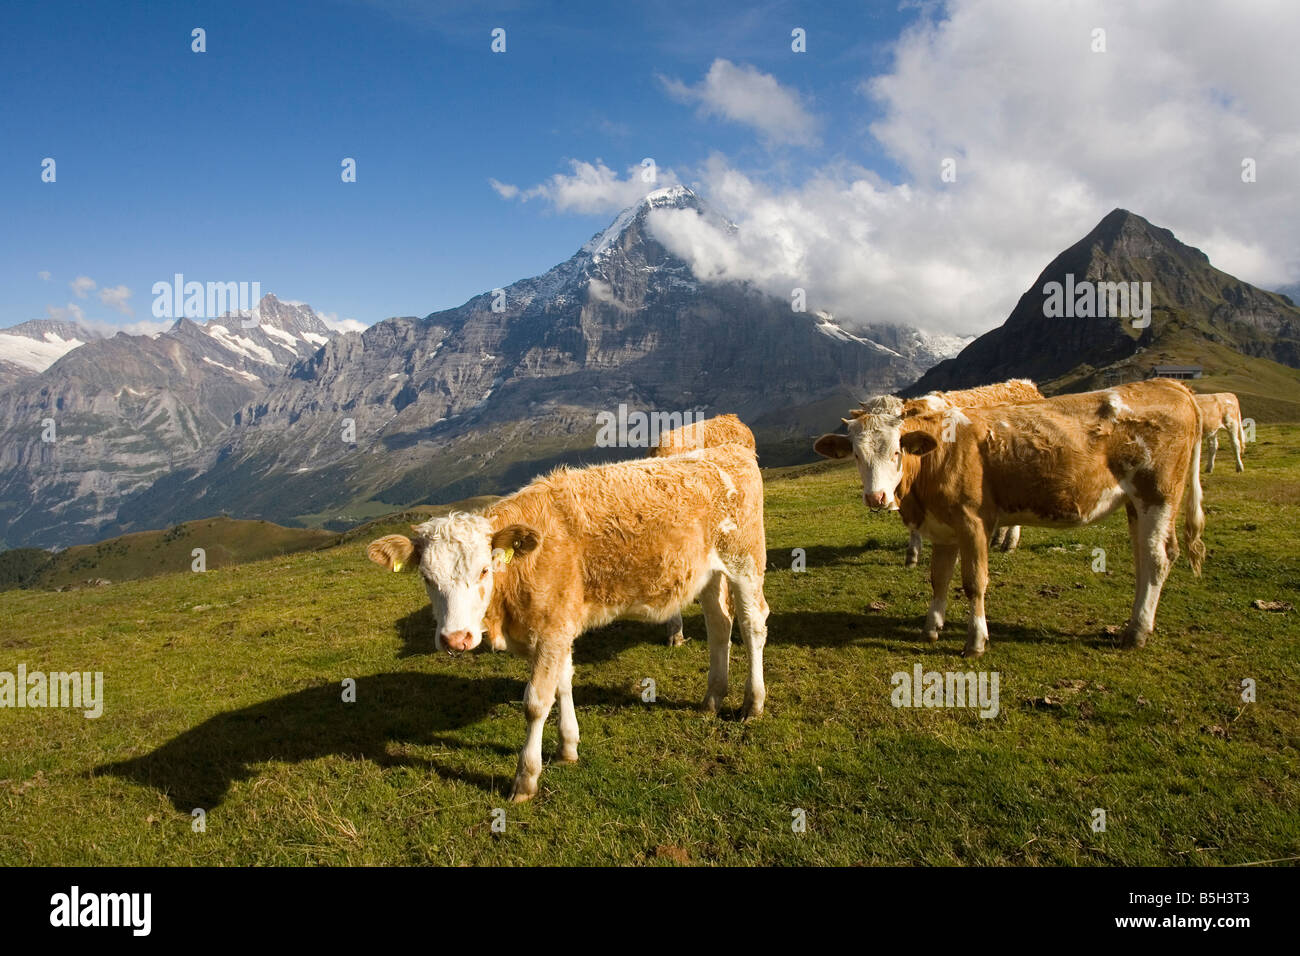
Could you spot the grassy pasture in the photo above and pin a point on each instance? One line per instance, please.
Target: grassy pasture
(223, 692)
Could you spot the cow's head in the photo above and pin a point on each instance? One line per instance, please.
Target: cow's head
(877, 442)
(457, 556)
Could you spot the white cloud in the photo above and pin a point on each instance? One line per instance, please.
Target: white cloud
(82, 286)
(115, 298)
(593, 188)
(744, 95)
(43, 275)
(71, 313)
(504, 190)
(332, 320)
(151, 327)
(1048, 137)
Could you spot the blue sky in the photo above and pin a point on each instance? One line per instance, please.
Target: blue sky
(225, 165)
(476, 169)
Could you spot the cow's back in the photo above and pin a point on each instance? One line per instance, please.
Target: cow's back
(710, 433)
(1062, 460)
(637, 537)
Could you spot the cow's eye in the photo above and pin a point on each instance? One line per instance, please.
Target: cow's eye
(483, 574)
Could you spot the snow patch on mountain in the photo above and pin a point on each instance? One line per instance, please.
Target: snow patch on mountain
(240, 344)
(35, 354)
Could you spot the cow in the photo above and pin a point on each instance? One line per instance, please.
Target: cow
(1007, 537)
(579, 548)
(1222, 410)
(1061, 462)
(719, 430)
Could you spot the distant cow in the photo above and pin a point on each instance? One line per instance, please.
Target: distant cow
(1222, 410)
(1007, 537)
(579, 548)
(710, 433)
(1061, 462)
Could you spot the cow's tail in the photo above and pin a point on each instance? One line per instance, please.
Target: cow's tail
(1241, 432)
(1194, 515)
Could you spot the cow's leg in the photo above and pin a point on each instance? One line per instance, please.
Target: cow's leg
(675, 636)
(568, 752)
(1155, 528)
(751, 612)
(1234, 432)
(746, 591)
(1214, 450)
(717, 622)
(1000, 537)
(975, 581)
(539, 695)
(943, 558)
(1011, 540)
(914, 545)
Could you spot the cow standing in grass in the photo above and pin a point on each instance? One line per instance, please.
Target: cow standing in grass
(1007, 537)
(1060, 462)
(719, 430)
(1222, 410)
(578, 549)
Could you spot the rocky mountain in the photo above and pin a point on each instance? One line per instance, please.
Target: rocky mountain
(1059, 330)
(481, 397)
(29, 348)
(111, 415)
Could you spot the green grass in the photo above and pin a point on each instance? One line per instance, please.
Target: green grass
(223, 692)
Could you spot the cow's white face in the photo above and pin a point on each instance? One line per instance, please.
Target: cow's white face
(879, 457)
(877, 444)
(457, 557)
(456, 565)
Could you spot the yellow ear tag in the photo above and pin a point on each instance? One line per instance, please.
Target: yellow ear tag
(397, 566)
(503, 554)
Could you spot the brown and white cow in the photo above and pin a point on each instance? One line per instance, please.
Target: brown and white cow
(1007, 537)
(710, 433)
(577, 549)
(1222, 410)
(1060, 462)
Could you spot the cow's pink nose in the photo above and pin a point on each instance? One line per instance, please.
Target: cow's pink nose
(456, 640)
(875, 499)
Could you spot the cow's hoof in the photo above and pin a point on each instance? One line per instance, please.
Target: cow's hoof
(1241, 468)
(931, 636)
(1133, 640)
(567, 756)
(973, 651)
(712, 704)
(911, 562)
(521, 795)
(677, 640)
(750, 711)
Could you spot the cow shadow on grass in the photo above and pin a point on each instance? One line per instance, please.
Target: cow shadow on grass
(887, 631)
(197, 768)
(825, 555)
(416, 633)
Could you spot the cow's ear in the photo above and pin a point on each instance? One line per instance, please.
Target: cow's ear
(514, 541)
(396, 552)
(918, 443)
(833, 446)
